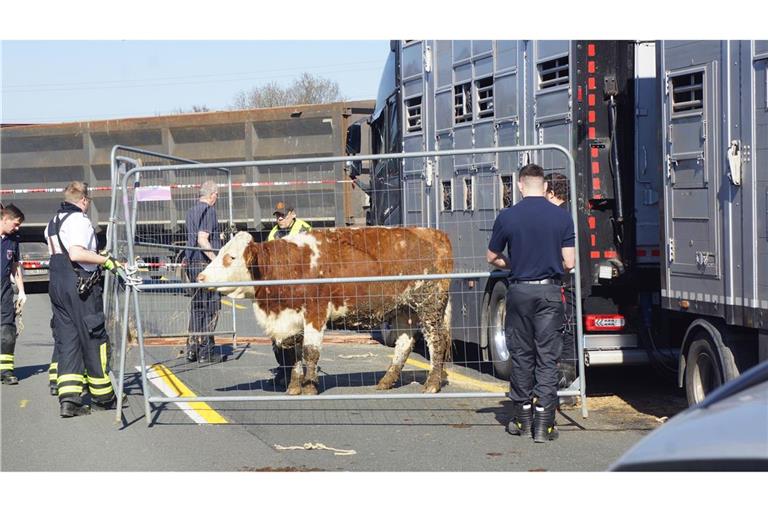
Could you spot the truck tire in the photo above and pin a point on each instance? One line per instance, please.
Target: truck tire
(702, 369)
(497, 344)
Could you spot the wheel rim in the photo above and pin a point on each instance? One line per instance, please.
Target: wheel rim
(498, 338)
(706, 376)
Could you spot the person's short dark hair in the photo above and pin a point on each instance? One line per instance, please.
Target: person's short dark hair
(557, 184)
(531, 171)
(13, 212)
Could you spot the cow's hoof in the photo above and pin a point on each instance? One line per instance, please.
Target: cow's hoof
(385, 384)
(309, 389)
(432, 386)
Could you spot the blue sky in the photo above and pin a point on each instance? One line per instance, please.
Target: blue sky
(70, 63)
(60, 81)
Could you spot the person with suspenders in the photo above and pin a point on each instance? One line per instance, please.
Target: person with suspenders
(10, 221)
(82, 343)
(286, 224)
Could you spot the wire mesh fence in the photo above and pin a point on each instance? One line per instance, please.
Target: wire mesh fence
(426, 292)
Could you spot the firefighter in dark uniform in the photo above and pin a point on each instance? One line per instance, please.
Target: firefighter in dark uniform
(10, 220)
(557, 194)
(202, 226)
(75, 291)
(286, 223)
(539, 239)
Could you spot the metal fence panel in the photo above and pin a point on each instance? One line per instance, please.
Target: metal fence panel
(467, 225)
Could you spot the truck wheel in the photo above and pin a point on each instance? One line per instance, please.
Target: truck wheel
(702, 369)
(497, 343)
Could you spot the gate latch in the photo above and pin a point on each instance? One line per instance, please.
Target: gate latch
(702, 258)
(734, 162)
(428, 173)
(671, 249)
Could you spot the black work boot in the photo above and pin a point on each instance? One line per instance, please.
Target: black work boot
(192, 349)
(544, 424)
(53, 389)
(522, 418)
(281, 376)
(71, 409)
(109, 405)
(7, 377)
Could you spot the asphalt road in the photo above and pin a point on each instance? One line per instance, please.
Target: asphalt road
(422, 434)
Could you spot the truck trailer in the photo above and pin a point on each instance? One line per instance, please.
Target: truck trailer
(669, 142)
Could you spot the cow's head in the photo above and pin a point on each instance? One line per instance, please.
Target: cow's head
(230, 265)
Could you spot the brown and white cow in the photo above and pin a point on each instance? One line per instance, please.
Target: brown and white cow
(300, 313)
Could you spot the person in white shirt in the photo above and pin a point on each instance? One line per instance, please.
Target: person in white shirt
(82, 343)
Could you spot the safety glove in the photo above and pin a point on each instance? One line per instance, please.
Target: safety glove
(111, 264)
(21, 299)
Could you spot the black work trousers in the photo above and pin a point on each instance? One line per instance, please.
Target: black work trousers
(82, 342)
(533, 322)
(204, 310)
(8, 331)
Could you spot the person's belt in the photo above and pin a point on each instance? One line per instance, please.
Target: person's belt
(537, 281)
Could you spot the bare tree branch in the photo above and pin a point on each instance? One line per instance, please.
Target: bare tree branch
(307, 89)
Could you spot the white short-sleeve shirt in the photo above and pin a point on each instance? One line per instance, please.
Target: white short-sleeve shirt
(76, 230)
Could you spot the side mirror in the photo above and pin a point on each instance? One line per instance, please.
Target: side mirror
(353, 139)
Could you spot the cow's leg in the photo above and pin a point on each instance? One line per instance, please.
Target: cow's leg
(313, 339)
(435, 321)
(403, 347)
(297, 372)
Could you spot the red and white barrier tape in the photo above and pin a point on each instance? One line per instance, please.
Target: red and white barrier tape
(250, 184)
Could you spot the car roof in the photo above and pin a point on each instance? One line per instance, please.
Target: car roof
(728, 432)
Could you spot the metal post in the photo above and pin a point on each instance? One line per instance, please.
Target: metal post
(123, 353)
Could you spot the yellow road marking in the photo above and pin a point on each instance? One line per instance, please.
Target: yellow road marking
(457, 378)
(23, 403)
(201, 408)
(228, 303)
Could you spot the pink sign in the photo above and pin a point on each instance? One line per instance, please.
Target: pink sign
(153, 194)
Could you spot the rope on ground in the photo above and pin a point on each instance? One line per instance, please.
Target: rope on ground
(358, 356)
(316, 446)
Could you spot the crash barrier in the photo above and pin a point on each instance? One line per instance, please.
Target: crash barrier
(155, 225)
(458, 192)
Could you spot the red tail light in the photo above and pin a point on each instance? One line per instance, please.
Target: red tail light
(32, 264)
(604, 322)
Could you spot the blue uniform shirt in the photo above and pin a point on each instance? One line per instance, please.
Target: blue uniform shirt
(533, 232)
(202, 217)
(10, 253)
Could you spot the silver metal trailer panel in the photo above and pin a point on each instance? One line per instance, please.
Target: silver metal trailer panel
(715, 147)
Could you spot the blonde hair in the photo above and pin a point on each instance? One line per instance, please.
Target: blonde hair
(75, 191)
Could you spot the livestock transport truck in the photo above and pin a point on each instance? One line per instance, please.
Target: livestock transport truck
(670, 143)
(39, 160)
